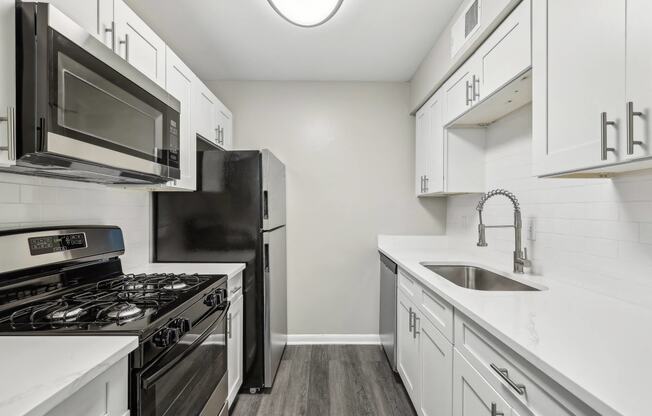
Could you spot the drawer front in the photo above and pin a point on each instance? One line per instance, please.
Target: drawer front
(409, 285)
(438, 312)
(234, 287)
(527, 389)
(106, 395)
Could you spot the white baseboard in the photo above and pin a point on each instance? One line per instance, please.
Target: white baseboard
(358, 339)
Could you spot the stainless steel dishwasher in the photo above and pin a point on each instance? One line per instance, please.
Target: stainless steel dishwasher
(388, 287)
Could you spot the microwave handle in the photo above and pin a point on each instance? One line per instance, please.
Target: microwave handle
(165, 368)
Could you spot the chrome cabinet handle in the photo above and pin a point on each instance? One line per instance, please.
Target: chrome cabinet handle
(11, 133)
(504, 374)
(494, 410)
(603, 135)
(228, 326)
(126, 43)
(476, 91)
(111, 30)
(415, 332)
(411, 321)
(426, 180)
(630, 128)
(469, 100)
(234, 291)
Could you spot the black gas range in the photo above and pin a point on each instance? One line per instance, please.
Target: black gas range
(69, 281)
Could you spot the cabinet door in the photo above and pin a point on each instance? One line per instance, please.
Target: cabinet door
(96, 16)
(235, 348)
(204, 116)
(179, 80)
(435, 146)
(458, 92)
(7, 78)
(506, 53)
(138, 44)
(420, 148)
(579, 60)
(639, 87)
(472, 395)
(408, 347)
(436, 371)
(224, 126)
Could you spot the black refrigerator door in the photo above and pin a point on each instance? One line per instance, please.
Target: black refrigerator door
(221, 223)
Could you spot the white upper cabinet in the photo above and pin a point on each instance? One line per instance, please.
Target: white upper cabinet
(138, 44)
(447, 161)
(179, 83)
(422, 129)
(506, 53)
(205, 115)
(7, 82)
(430, 155)
(500, 61)
(579, 96)
(224, 125)
(96, 16)
(637, 140)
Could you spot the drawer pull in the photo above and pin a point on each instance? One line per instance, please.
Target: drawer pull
(236, 290)
(411, 326)
(494, 410)
(504, 374)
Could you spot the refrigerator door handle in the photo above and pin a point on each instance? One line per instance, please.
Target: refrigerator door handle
(266, 257)
(265, 206)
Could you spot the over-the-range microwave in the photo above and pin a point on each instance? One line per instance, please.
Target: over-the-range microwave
(83, 112)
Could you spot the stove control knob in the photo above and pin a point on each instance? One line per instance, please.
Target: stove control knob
(211, 300)
(221, 295)
(166, 337)
(182, 324)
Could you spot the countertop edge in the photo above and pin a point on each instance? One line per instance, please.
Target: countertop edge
(74, 386)
(580, 392)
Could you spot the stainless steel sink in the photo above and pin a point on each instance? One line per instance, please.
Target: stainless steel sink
(478, 279)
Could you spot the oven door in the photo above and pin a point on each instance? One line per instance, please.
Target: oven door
(191, 379)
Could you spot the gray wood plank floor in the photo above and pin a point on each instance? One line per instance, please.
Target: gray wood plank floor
(330, 380)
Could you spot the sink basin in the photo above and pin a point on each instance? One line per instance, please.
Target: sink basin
(478, 279)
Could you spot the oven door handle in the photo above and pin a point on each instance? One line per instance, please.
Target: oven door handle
(151, 380)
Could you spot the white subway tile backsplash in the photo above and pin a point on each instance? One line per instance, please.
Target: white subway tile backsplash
(598, 232)
(27, 201)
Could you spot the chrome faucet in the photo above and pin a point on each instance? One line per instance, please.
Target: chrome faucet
(520, 254)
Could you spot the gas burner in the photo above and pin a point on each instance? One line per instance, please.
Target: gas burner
(65, 314)
(133, 286)
(175, 285)
(123, 311)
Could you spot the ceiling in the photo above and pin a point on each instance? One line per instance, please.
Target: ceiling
(367, 40)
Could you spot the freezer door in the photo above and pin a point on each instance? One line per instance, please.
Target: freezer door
(273, 191)
(276, 316)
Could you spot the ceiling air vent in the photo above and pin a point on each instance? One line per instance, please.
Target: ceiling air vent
(465, 26)
(471, 19)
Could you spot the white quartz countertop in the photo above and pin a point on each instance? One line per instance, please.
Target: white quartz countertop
(229, 269)
(39, 372)
(597, 347)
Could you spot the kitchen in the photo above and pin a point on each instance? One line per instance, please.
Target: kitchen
(268, 208)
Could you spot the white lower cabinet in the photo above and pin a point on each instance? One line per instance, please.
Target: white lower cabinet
(235, 337)
(408, 346)
(449, 365)
(106, 395)
(436, 365)
(472, 395)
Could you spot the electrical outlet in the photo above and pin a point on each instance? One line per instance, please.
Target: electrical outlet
(531, 229)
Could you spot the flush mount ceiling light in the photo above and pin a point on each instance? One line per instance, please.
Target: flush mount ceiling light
(306, 13)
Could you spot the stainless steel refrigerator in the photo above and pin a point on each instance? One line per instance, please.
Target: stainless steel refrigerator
(237, 215)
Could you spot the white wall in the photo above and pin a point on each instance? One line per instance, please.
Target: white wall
(597, 233)
(349, 154)
(27, 201)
